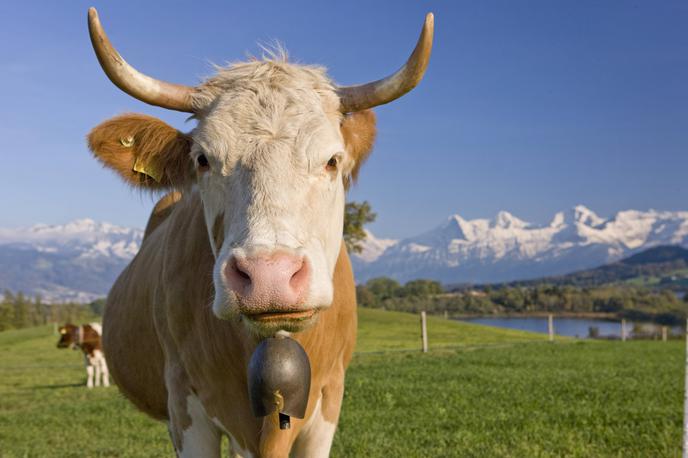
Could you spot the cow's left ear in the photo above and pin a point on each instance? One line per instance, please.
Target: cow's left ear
(144, 151)
(358, 130)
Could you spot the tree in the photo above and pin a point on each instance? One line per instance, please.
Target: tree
(422, 288)
(98, 306)
(6, 314)
(356, 215)
(383, 287)
(364, 297)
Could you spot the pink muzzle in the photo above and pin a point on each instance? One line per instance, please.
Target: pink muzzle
(269, 282)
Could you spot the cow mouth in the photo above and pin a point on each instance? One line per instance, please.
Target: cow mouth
(277, 316)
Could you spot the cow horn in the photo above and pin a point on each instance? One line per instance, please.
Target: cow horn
(127, 78)
(363, 96)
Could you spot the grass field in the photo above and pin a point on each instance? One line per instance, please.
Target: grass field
(481, 392)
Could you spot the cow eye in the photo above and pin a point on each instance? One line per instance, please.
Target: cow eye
(331, 164)
(202, 162)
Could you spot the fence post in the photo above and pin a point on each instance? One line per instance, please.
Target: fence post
(424, 331)
(550, 327)
(664, 333)
(446, 315)
(623, 329)
(55, 328)
(685, 402)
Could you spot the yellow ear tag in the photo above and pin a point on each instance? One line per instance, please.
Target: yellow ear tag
(127, 142)
(147, 169)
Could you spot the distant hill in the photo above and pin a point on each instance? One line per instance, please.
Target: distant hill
(648, 266)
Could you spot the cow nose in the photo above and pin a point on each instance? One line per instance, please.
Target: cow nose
(268, 280)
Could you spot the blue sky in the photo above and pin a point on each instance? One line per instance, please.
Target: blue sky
(530, 107)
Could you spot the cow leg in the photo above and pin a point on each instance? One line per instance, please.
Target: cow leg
(105, 371)
(89, 375)
(193, 433)
(96, 367)
(235, 450)
(315, 439)
(196, 435)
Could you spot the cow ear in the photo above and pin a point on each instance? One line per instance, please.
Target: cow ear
(358, 130)
(144, 151)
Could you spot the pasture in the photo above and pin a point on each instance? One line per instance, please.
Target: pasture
(479, 392)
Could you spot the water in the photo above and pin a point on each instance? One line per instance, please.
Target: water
(571, 327)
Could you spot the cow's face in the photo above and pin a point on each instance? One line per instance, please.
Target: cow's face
(68, 336)
(271, 162)
(270, 157)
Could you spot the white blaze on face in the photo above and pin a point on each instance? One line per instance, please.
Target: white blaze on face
(269, 183)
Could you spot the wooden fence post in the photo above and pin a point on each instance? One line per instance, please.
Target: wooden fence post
(623, 329)
(424, 331)
(55, 328)
(446, 315)
(685, 402)
(664, 333)
(550, 327)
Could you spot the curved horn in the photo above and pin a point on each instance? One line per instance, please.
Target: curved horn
(127, 78)
(363, 96)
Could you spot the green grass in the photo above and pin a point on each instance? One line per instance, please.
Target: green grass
(380, 330)
(516, 398)
(46, 411)
(581, 399)
(650, 280)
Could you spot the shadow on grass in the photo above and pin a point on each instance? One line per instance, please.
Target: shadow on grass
(56, 387)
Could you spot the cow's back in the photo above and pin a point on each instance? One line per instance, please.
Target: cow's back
(130, 341)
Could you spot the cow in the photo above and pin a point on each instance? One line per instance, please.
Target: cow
(87, 338)
(246, 243)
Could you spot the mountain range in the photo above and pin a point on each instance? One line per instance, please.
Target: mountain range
(79, 261)
(74, 262)
(507, 248)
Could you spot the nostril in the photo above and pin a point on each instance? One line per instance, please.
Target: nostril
(241, 273)
(299, 279)
(237, 275)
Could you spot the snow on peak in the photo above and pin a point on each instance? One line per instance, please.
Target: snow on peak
(559, 220)
(583, 215)
(373, 247)
(508, 248)
(458, 228)
(86, 236)
(506, 220)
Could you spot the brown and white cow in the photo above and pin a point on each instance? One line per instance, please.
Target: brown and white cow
(87, 339)
(247, 244)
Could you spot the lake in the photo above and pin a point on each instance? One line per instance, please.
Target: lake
(571, 327)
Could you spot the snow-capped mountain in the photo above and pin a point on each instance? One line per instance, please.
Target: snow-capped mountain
(77, 261)
(80, 260)
(507, 248)
(373, 247)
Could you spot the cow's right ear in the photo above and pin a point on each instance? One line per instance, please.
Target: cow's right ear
(144, 151)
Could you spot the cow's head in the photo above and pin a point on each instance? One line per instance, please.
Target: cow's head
(69, 336)
(273, 151)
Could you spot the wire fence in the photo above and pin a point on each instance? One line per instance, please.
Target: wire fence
(424, 344)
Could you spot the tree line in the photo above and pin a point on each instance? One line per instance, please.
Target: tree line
(632, 302)
(19, 311)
